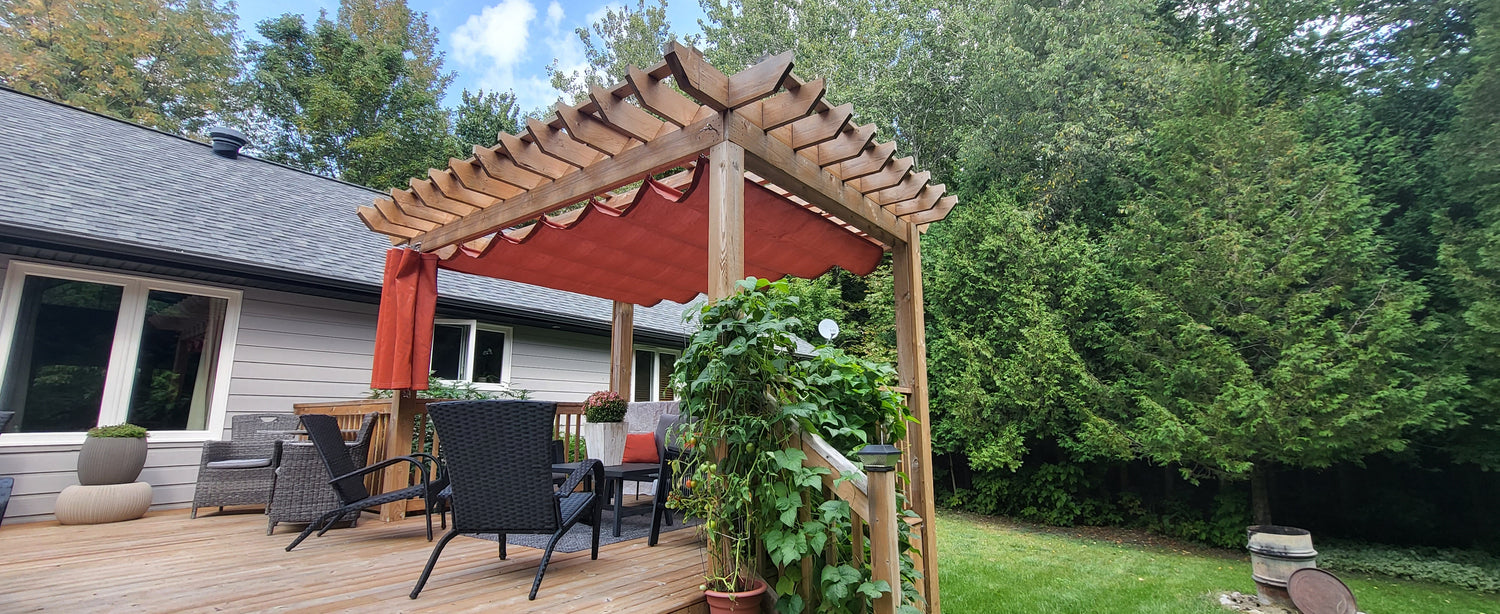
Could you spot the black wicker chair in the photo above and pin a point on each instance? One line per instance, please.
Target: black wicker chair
(500, 462)
(667, 451)
(349, 481)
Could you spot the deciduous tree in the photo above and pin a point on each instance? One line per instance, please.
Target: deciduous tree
(164, 63)
(355, 98)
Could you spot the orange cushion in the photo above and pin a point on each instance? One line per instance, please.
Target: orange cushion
(640, 448)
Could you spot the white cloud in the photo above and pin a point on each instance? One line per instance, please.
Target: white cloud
(494, 42)
(600, 12)
(494, 45)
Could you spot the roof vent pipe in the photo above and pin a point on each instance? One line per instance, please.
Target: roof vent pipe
(227, 141)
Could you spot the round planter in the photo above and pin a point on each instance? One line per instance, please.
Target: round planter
(605, 441)
(736, 603)
(111, 460)
(100, 504)
(1275, 553)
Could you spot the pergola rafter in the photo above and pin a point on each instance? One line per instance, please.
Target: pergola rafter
(763, 126)
(793, 138)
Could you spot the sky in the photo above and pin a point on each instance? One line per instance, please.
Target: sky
(495, 45)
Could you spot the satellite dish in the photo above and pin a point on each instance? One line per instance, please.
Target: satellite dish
(829, 329)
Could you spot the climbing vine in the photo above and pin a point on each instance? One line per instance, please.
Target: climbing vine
(766, 512)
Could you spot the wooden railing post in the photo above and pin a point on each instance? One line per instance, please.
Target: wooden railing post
(885, 555)
(398, 443)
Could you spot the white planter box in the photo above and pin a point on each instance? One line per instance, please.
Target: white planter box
(605, 441)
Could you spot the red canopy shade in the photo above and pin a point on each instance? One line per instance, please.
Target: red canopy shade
(403, 335)
(656, 246)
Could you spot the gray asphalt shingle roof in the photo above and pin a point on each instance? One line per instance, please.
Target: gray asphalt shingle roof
(68, 171)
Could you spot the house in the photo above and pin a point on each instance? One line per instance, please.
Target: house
(134, 290)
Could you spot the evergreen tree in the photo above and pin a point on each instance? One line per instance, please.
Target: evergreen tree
(1263, 322)
(1470, 255)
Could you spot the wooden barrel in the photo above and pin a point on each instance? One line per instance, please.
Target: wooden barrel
(1275, 553)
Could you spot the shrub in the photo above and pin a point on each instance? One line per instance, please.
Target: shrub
(605, 406)
(456, 391)
(1468, 569)
(124, 431)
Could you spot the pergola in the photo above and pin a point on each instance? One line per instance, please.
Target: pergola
(793, 187)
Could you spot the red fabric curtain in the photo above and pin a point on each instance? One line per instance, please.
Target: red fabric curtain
(403, 336)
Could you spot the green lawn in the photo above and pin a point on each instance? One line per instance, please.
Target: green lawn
(997, 566)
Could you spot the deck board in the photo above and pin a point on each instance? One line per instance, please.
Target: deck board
(166, 562)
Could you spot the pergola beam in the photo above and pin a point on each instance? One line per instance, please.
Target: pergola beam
(603, 176)
(776, 161)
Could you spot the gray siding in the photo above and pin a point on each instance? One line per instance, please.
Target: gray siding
(291, 349)
(559, 366)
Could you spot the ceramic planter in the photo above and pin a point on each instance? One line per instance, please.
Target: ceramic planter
(605, 441)
(111, 460)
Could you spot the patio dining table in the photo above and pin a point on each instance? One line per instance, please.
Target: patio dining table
(615, 477)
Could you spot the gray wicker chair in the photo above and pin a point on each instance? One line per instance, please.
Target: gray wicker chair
(240, 471)
(300, 492)
(349, 481)
(6, 483)
(499, 457)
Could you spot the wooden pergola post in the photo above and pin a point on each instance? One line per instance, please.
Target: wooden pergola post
(726, 219)
(911, 365)
(621, 348)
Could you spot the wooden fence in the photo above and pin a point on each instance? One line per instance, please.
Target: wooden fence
(402, 426)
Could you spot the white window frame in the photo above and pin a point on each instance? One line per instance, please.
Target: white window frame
(466, 370)
(656, 352)
(115, 402)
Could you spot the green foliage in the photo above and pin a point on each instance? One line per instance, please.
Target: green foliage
(1474, 570)
(355, 98)
(167, 64)
(1013, 298)
(605, 406)
(454, 390)
(482, 117)
(746, 477)
(626, 37)
(124, 431)
(897, 61)
(1262, 321)
(1470, 254)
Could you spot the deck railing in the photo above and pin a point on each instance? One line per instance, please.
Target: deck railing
(402, 426)
(872, 503)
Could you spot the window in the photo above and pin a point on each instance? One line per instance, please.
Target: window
(82, 348)
(653, 375)
(466, 350)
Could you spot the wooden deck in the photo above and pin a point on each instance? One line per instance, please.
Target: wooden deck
(226, 563)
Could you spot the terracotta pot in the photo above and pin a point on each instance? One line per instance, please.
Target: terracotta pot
(110, 460)
(605, 441)
(736, 603)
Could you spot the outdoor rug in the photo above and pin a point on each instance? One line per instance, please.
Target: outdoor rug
(580, 536)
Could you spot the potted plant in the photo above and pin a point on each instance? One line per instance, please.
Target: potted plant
(604, 430)
(112, 455)
(748, 400)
